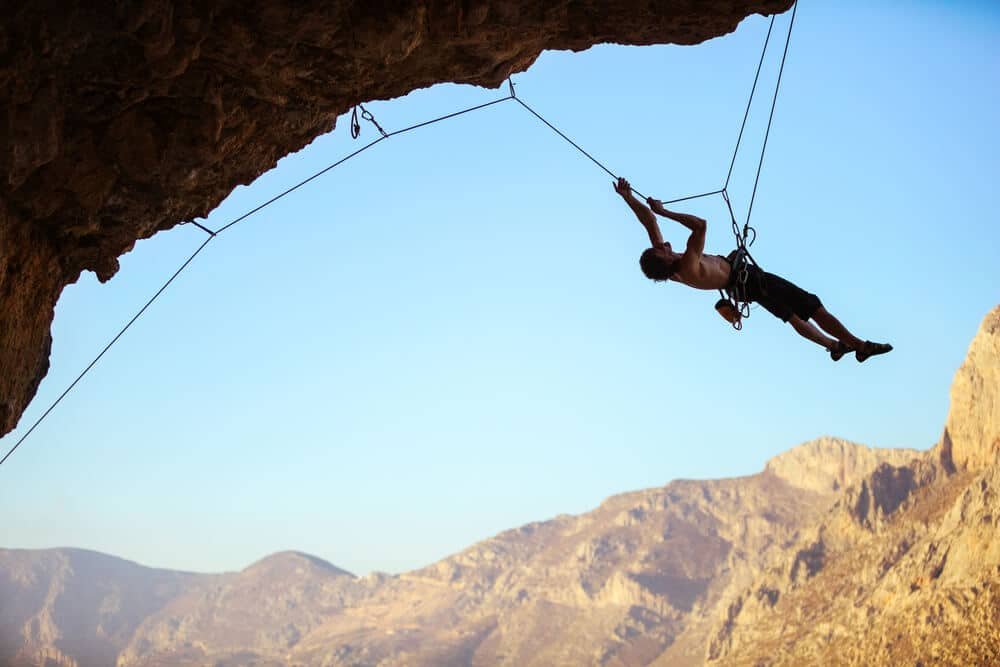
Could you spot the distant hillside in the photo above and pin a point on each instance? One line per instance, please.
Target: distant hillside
(69, 605)
(834, 554)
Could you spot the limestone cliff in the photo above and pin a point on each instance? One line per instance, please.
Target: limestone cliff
(125, 118)
(919, 588)
(972, 433)
(904, 568)
(829, 464)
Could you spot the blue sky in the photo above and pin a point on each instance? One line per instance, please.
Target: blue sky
(449, 335)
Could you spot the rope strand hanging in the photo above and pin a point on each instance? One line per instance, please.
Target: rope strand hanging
(770, 117)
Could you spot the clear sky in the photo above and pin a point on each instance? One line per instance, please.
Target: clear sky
(450, 336)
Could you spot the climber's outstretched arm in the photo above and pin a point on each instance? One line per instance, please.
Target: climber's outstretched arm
(645, 216)
(692, 222)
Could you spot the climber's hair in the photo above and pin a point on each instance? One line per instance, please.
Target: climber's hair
(655, 267)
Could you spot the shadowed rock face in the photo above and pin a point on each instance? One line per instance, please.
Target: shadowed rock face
(126, 118)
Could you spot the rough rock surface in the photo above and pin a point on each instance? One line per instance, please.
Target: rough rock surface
(126, 118)
(904, 568)
(972, 434)
(828, 464)
(922, 586)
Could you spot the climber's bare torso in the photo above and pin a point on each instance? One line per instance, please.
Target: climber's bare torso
(708, 272)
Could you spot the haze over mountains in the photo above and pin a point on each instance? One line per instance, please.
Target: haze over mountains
(835, 553)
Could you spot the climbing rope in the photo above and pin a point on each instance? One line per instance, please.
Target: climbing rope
(746, 113)
(744, 238)
(774, 100)
(739, 295)
(108, 346)
(214, 233)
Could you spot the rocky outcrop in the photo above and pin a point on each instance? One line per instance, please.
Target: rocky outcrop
(908, 552)
(920, 587)
(827, 465)
(972, 434)
(126, 118)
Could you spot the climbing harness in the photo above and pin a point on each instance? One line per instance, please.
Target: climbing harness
(742, 258)
(737, 293)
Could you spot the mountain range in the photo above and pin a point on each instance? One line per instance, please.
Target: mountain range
(835, 553)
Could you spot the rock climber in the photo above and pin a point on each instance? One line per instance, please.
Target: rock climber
(784, 300)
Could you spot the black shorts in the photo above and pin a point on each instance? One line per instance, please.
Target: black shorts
(780, 297)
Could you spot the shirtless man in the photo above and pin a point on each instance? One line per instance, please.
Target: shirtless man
(779, 297)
